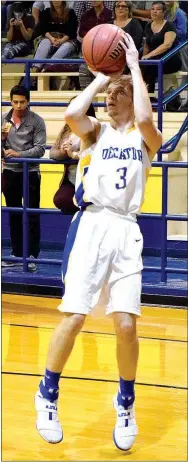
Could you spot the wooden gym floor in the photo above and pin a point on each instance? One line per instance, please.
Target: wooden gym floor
(89, 383)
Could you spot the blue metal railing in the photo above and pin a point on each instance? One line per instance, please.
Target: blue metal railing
(164, 216)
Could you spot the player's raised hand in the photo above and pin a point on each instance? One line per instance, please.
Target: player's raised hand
(130, 50)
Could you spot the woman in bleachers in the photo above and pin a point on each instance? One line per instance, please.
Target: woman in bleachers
(123, 18)
(67, 146)
(58, 25)
(19, 33)
(178, 17)
(160, 38)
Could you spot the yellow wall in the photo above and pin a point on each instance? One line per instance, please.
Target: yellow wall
(52, 174)
(153, 193)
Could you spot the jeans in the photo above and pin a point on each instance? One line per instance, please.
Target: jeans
(47, 50)
(12, 188)
(16, 49)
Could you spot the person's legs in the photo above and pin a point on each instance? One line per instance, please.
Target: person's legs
(44, 51)
(17, 49)
(84, 273)
(65, 50)
(12, 190)
(63, 198)
(126, 345)
(85, 76)
(124, 306)
(34, 219)
(62, 341)
(127, 349)
(149, 75)
(61, 345)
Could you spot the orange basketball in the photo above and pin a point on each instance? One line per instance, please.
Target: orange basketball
(102, 50)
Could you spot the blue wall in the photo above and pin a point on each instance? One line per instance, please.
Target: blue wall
(54, 230)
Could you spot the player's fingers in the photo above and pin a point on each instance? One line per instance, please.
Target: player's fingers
(128, 40)
(123, 45)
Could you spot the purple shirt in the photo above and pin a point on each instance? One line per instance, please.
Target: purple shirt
(89, 19)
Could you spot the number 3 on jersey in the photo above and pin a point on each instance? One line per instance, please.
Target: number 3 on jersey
(122, 177)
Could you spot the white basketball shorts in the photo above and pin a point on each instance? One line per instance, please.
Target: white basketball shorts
(102, 263)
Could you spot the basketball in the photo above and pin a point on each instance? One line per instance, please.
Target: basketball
(102, 50)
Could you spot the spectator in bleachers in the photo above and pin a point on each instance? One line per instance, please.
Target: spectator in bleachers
(142, 12)
(160, 38)
(37, 8)
(58, 25)
(81, 7)
(4, 6)
(67, 146)
(123, 18)
(96, 15)
(178, 18)
(25, 138)
(184, 6)
(19, 34)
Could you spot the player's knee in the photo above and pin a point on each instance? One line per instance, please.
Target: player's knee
(125, 328)
(74, 322)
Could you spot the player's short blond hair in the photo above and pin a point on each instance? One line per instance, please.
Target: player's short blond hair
(124, 81)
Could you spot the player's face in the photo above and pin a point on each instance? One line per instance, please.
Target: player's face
(119, 99)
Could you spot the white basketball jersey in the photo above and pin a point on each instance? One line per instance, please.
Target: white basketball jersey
(112, 172)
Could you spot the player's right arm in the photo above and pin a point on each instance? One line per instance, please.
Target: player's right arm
(75, 114)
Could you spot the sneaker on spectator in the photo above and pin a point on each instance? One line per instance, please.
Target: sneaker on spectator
(9, 264)
(31, 265)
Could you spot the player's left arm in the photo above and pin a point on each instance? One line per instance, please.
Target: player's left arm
(142, 106)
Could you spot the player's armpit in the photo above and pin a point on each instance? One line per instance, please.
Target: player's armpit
(152, 138)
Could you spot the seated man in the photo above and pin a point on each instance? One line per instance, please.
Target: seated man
(24, 135)
(96, 15)
(19, 33)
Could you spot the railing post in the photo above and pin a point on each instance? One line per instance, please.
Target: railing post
(25, 215)
(164, 223)
(160, 101)
(27, 74)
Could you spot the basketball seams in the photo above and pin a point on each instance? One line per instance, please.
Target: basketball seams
(106, 51)
(93, 43)
(96, 46)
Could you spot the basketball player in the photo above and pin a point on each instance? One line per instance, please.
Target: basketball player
(104, 238)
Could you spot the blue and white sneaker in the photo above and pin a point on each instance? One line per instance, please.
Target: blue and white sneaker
(47, 423)
(125, 430)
